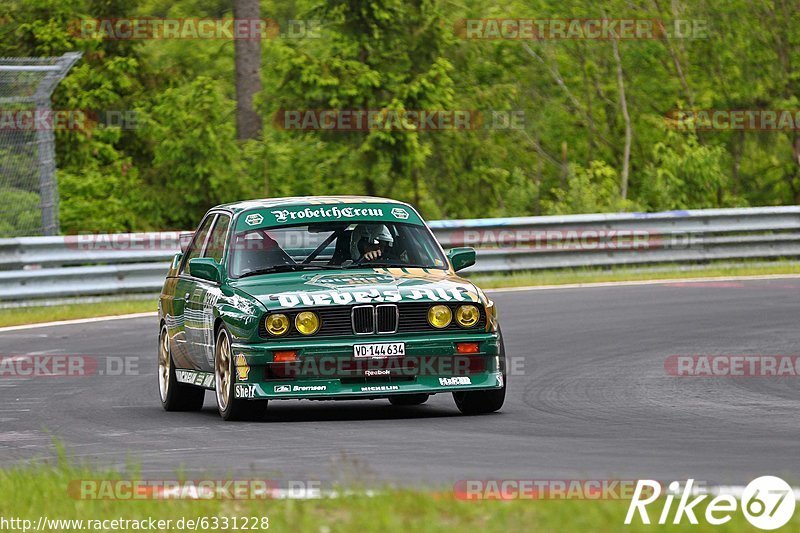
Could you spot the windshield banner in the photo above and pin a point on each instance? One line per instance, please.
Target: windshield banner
(294, 215)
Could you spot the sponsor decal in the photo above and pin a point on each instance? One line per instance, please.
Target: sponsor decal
(283, 388)
(309, 388)
(242, 368)
(380, 388)
(457, 380)
(325, 298)
(333, 281)
(373, 373)
(194, 377)
(286, 215)
(245, 390)
(254, 220)
(399, 212)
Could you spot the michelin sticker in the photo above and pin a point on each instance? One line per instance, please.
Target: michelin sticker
(254, 220)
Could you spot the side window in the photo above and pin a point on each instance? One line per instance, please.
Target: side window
(197, 243)
(216, 244)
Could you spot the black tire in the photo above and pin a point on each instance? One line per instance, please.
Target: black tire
(231, 408)
(174, 396)
(409, 399)
(484, 402)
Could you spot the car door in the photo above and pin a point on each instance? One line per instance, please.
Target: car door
(203, 297)
(188, 322)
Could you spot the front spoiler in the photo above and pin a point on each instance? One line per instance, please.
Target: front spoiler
(334, 389)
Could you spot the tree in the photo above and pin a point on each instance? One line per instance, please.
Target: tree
(248, 72)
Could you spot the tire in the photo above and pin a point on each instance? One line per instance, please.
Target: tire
(229, 407)
(174, 396)
(409, 399)
(484, 402)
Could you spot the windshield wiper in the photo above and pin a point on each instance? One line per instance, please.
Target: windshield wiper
(288, 268)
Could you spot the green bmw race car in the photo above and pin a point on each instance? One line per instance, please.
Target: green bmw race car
(324, 298)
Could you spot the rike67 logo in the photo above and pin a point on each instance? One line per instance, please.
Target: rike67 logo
(767, 502)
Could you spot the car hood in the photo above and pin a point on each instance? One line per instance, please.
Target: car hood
(296, 290)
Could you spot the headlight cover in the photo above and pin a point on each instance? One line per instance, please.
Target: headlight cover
(467, 316)
(277, 324)
(440, 316)
(306, 323)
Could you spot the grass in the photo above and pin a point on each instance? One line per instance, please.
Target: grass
(596, 275)
(29, 492)
(35, 314)
(67, 311)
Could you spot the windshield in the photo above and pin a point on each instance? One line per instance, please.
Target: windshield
(326, 245)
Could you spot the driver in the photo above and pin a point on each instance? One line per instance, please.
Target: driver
(369, 242)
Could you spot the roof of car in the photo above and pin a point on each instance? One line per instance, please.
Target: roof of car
(305, 200)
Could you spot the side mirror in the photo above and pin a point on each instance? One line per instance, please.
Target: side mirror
(185, 239)
(205, 268)
(176, 261)
(461, 258)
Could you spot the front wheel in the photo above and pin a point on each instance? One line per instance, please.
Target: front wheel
(174, 396)
(488, 401)
(230, 407)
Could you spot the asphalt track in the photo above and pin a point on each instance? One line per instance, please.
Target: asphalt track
(590, 399)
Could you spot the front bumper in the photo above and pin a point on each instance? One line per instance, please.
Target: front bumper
(326, 369)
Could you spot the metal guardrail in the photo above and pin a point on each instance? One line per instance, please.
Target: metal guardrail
(88, 265)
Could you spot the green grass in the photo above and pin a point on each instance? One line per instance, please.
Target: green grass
(32, 315)
(595, 275)
(32, 491)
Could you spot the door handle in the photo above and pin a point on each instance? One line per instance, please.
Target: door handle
(186, 296)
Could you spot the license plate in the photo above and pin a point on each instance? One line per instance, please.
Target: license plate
(383, 349)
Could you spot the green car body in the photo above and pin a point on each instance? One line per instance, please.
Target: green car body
(214, 332)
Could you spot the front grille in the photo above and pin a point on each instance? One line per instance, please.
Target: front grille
(346, 320)
(387, 318)
(363, 320)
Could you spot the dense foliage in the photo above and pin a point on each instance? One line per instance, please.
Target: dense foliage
(181, 155)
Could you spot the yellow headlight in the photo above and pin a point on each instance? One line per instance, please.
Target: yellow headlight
(467, 315)
(440, 316)
(306, 322)
(277, 324)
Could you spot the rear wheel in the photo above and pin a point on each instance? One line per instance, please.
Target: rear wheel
(488, 401)
(174, 396)
(409, 399)
(230, 407)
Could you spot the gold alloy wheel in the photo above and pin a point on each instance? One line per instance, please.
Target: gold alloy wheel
(163, 364)
(222, 370)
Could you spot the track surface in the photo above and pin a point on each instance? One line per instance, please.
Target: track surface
(593, 401)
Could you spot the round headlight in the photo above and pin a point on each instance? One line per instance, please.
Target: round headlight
(467, 315)
(440, 316)
(306, 322)
(277, 324)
